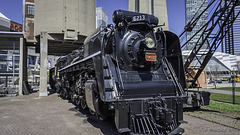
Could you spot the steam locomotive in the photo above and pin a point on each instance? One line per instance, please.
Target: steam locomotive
(132, 71)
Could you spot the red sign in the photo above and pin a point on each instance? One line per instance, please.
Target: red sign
(150, 56)
(15, 27)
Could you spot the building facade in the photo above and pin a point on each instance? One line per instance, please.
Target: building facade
(4, 23)
(28, 20)
(101, 17)
(157, 8)
(220, 66)
(192, 9)
(10, 33)
(55, 27)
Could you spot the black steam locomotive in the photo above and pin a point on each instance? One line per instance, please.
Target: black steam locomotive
(132, 71)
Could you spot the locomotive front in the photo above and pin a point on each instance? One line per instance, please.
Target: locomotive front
(139, 48)
(148, 96)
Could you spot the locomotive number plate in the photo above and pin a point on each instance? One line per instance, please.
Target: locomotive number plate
(138, 18)
(150, 56)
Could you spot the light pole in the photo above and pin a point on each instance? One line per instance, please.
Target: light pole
(233, 85)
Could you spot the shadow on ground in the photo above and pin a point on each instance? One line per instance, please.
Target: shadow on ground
(237, 118)
(107, 127)
(51, 91)
(199, 109)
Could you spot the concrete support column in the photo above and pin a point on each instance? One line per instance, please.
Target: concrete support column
(25, 54)
(43, 63)
(22, 65)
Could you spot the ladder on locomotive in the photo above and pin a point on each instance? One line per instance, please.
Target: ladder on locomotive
(211, 33)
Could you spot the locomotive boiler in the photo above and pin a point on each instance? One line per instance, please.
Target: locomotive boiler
(131, 71)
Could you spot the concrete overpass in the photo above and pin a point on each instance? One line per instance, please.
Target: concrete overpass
(56, 27)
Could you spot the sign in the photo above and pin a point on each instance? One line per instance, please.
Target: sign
(15, 27)
(150, 56)
(138, 18)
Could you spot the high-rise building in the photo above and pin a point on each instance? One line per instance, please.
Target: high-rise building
(236, 33)
(101, 17)
(193, 8)
(157, 8)
(231, 42)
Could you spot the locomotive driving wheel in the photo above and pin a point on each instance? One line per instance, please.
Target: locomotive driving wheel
(91, 112)
(78, 102)
(66, 95)
(83, 104)
(73, 99)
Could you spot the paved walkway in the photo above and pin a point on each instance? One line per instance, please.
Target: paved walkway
(217, 91)
(28, 115)
(223, 84)
(196, 126)
(210, 88)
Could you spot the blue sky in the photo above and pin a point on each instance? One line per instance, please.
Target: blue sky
(176, 14)
(176, 11)
(12, 9)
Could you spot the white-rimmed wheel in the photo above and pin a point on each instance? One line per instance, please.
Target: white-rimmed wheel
(83, 104)
(78, 102)
(91, 112)
(64, 95)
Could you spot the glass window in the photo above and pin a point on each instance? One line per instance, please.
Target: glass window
(30, 9)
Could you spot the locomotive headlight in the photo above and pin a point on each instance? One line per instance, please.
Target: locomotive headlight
(149, 42)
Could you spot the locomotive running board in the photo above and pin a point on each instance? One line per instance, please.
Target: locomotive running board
(77, 62)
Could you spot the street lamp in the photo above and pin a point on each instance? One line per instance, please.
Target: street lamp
(233, 77)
